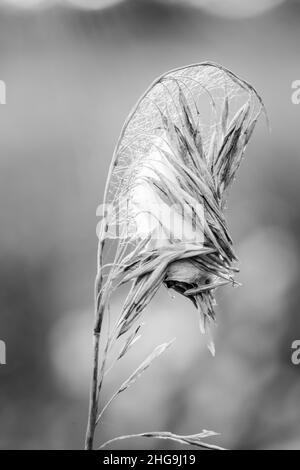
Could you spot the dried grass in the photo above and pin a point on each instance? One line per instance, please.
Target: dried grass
(179, 150)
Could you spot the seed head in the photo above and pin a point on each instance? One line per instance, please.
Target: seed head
(178, 153)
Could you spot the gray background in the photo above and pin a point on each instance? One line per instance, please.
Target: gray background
(72, 76)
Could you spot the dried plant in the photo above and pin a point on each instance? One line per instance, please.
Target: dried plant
(164, 202)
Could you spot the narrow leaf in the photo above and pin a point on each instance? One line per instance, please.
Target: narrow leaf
(144, 366)
(192, 440)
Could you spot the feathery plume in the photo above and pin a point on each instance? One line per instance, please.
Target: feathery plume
(177, 155)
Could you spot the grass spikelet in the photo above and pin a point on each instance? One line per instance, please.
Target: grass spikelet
(177, 155)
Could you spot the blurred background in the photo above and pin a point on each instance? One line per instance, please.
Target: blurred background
(73, 69)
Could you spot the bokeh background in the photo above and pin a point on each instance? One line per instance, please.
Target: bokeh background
(73, 70)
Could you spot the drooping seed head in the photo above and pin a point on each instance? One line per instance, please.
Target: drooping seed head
(178, 153)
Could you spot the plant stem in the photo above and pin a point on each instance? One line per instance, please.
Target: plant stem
(95, 384)
(93, 406)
